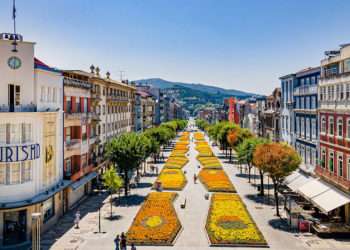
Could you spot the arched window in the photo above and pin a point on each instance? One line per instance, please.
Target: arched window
(340, 165)
(323, 158)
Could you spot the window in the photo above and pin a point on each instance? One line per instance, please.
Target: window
(26, 171)
(313, 102)
(2, 173)
(15, 133)
(331, 162)
(54, 94)
(313, 129)
(68, 135)
(323, 124)
(15, 169)
(347, 65)
(302, 103)
(77, 104)
(313, 80)
(302, 127)
(348, 128)
(323, 158)
(347, 91)
(69, 104)
(48, 209)
(340, 165)
(340, 127)
(331, 125)
(26, 132)
(42, 94)
(85, 105)
(307, 102)
(348, 168)
(83, 133)
(68, 167)
(49, 94)
(307, 125)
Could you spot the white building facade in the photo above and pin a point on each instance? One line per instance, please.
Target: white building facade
(31, 155)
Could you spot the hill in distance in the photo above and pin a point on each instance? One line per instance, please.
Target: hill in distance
(164, 84)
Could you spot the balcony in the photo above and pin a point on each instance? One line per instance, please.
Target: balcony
(67, 81)
(305, 90)
(73, 144)
(77, 118)
(117, 99)
(95, 116)
(18, 108)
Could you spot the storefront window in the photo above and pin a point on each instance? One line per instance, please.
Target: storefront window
(15, 227)
(347, 65)
(15, 173)
(48, 209)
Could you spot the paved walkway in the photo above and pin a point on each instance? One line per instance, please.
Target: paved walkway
(193, 235)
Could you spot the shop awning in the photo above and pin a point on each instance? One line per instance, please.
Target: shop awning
(324, 196)
(296, 180)
(83, 181)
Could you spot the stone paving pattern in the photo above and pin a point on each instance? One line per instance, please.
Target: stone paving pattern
(193, 236)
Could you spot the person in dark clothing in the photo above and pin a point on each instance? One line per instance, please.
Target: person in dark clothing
(117, 242)
(123, 242)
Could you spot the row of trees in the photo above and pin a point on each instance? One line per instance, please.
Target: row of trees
(127, 152)
(277, 160)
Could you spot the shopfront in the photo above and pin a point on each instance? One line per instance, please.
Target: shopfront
(15, 227)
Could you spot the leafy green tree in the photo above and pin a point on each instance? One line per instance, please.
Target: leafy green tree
(223, 133)
(126, 152)
(278, 160)
(245, 152)
(113, 182)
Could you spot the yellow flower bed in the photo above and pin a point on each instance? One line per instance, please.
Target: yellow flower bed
(156, 223)
(172, 179)
(216, 180)
(198, 136)
(229, 222)
(209, 161)
(176, 162)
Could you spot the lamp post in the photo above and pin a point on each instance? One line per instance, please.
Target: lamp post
(36, 231)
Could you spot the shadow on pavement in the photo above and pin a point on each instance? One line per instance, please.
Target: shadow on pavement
(114, 217)
(131, 200)
(280, 224)
(265, 200)
(252, 176)
(144, 185)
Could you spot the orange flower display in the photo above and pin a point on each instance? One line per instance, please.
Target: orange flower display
(156, 223)
(216, 180)
(172, 179)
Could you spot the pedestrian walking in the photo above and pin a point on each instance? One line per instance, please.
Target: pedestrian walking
(123, 242)
(195, 178)
(77, 219)
(133, 246)
(117, 242)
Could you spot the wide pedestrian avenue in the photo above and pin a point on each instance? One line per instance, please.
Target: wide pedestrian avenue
(193, 217)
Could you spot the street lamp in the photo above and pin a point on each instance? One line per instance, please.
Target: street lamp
(36, 231)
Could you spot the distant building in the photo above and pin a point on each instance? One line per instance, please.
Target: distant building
(287, 115)
(144, 111)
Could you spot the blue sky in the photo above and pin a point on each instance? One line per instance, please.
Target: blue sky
(244, 45)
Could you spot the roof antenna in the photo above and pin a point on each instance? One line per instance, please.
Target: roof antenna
(14, 43)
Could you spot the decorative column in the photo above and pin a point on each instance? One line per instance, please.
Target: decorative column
(36, 231)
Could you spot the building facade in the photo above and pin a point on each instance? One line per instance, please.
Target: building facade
(305, 117)
(287, 115)
(31, 155)
(334, 120)
(144, 111)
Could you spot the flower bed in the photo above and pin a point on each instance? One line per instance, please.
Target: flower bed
(176, 162)
(209, 162)
(216, 180)
(172, 179)
(156, 223)
(229, 223)
(198, 136)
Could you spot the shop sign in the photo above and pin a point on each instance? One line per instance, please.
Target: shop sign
(19, 153)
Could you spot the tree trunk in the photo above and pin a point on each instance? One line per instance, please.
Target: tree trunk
(126, 182)
(261, 183)
(275, 187)
(249, 168)
(111, 201)
(230, 154)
